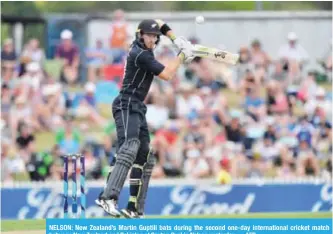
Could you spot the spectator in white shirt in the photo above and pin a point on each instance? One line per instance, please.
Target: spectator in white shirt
(293, 50)
(293, 56)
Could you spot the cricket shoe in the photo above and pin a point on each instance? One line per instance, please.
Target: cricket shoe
(141, 216)
(129, 214)
(109, 206)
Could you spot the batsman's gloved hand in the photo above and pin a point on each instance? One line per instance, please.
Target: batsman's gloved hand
(187, 51)
(182, 42)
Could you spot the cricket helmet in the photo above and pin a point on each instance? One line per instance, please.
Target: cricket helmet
(148, 26)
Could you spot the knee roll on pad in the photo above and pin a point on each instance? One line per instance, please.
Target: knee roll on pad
(127, 152)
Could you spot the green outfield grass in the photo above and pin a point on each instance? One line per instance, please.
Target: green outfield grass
(26, 225)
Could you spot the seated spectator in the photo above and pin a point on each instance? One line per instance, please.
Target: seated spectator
(259, 59)
(22, 112)
(293, 56)
(68, 138)
(25, 137)
(32, 78)
(33, 52)
(256, 166)
(305, 131)
(12, 164)
(280, 105)
(308, 88)
(69, 53)
(164, 143)
(194, 139)
(254, 105)
(187, 102)
(270, 132)
(97, 57)
(233, 128)
(8, 60)
(266, 148)
(319, 101)
(211, 74)
(285, 164)
(308, 165)
(51, 107)
(293, 51)
(87, 106)
(157, 113)
(248, 81)
(244, 65)
(195, 165)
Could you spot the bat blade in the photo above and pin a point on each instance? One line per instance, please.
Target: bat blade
(215, 54)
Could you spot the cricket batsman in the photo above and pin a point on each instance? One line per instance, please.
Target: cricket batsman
(133, 150)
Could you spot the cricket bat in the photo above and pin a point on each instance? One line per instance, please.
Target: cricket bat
(215, 54)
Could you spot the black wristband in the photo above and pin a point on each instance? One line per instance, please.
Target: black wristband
(164, 29)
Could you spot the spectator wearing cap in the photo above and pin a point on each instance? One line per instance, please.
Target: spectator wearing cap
(293, 51)
(87, 106)
(69, 53)
(8, 60)
(97, 58)
(293, 56)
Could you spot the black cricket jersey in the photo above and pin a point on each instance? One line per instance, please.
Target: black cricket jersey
(140, 69)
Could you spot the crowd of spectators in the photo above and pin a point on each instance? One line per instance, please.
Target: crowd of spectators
(265, 117)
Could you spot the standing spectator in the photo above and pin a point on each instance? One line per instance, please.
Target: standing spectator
(119, 35)
(8, 60)
(96, 59)
(69, 53)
